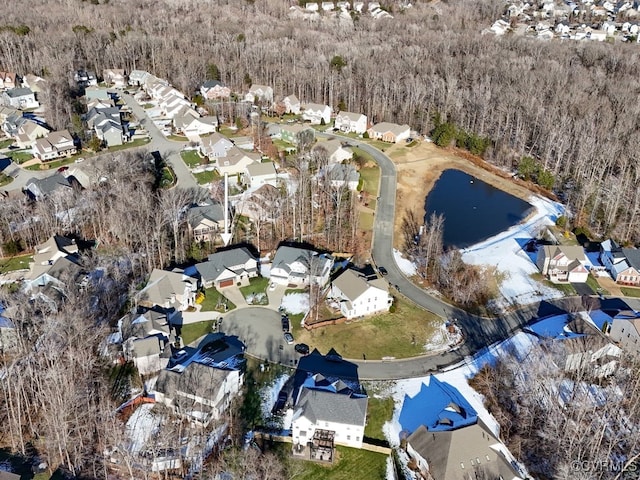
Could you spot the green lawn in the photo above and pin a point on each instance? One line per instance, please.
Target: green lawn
(379, 411)
(350, 464)
(256, 285)
(19, 156)
(168, 179)
(6, 143)
(630, 292)
(15, 263)
(136, 143)
(5, 179)
(177, 138)
(227, 132)
(566, 288)
(193, 331)
(595, 286)
(214, 301)
(382, 146)
(207, 177)
(370, 180)
(400, 334)
(191, 158)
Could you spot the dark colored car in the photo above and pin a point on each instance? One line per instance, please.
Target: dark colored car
(285, 323)
(382, 270)
(288, 338)
(302, 348)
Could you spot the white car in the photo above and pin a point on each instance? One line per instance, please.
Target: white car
(272, 287)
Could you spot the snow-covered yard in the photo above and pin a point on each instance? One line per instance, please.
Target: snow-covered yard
(295, 303)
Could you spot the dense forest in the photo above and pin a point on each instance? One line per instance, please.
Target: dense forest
(569, 105)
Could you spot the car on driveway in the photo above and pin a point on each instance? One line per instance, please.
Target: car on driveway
(272, 287)
(288, 338)
(302, 348)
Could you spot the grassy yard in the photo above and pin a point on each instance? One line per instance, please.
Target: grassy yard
(214, 301)
(168, 179)
(400, 334)
(379, 411)
(366, 221)
(5, 179)
(194, 331)
(15, 263)
(136, 143)
(6, 143)
(177, 138)
(566, 288)
(207, 177)
(382, 146)
(191, 158)
(350, 464)
(595, 286)
(370, 180)
(630, 292)
(257, 285)
(19, 156)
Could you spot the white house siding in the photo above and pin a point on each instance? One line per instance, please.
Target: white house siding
(347, 435)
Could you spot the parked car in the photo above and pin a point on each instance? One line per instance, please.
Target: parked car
(302, 348)
(285, 323)
(382, 270)
(288, 338)
(272, 287)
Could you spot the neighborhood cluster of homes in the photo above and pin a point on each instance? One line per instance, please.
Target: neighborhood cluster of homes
(568, 19)
(561, 263)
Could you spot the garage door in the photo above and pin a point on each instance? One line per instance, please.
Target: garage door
(226, 283)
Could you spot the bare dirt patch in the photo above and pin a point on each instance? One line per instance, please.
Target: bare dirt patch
(420, 166)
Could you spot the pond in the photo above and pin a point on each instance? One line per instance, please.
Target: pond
(473, 210)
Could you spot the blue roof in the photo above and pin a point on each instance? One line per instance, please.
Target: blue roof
(554, 327)
(599, 318)
(438, 406)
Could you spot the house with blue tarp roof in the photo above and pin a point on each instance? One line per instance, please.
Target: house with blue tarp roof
(438, 406)
(555, 327)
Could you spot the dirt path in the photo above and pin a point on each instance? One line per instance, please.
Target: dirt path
(420, 166)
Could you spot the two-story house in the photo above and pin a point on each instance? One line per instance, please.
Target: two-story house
(291, 104)
(562, 263)
(214, 89)
(114, 77)
(349, 122)
(297, 134)
(21, 98)
(54, 145)
(317, 114)
(168, 290)
(359, 295)
(215, 146)
(622, 263)
(335, 151)
(300, 266)
(205, 221)
(258, 174)
(260, 93)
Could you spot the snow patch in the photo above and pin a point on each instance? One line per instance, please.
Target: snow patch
(405, 265)
(295, 303)
(141, 426)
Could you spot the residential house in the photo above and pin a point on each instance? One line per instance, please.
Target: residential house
(359, 295)
(52, 260)
(236, 161)
(100, 104)
(168, 290)
(622, 263)
(228, 267)
(138, 78)
(300, 266)
(342, 175)
(114, 77)
(626, 333)
(40, 188)
(561, 263)
(107, 124)
(297, 134)
(35, 83)
(389, 132)
(259, 93)
(258, 174)
(85, 78)
(202, 387)
(469, 452)
(327, 6)
(292, 104)
(21, 98)
(96, 93)
(215, 146)
(7, 112)
(54, 145)
(349, 122)
(205, 221)
(326, 413)
(244, 142)
(214, 90)
(173, 106)
(149, 354)
(192, 127)
(317, 114)
(28, 132)
(335, 151)
(8, 80)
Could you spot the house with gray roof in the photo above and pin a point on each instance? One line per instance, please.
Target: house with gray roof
(215, 146)
(258, 174)
(168, 290)
(149, 354)
(468, 452)
(214, 89)
(54, 145)
(343, 175)
(300, 266)
(350, 122)
(317, 114)
(228, 267)
(622, 263)
(562, 263)
(205, 221)
(324, 417)
(358, 295)
(291, 104)
(53, 259)
(21, 98)
(389, 132)
(40, 188)
(334, 150)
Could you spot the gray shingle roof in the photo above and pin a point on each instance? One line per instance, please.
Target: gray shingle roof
(196, 379)
(220, 261)
(633, 257)
(213, 212)
(318, 405)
